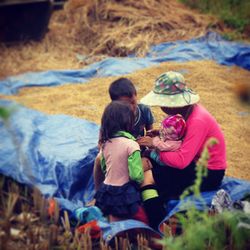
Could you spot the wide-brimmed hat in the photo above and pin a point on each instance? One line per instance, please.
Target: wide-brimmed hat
(171, 91)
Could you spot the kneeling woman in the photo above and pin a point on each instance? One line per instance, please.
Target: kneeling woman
(162, 183)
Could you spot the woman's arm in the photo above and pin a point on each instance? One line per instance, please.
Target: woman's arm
(192, 144)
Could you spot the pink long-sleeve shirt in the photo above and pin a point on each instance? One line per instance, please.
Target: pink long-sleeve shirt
(201, 126)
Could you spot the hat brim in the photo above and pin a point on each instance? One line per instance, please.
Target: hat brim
(171, 101)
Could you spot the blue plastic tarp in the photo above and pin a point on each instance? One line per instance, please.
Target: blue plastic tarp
(209, 47)
(55, 153)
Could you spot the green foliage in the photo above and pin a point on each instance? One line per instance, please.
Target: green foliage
(4, 113)
(228, 230)
(231, 36)
(234, 13)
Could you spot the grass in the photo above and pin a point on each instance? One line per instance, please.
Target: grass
(235, 14)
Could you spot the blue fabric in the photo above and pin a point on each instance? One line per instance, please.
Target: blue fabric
(209, 47)
(110, 230)
(54, 153)
(87, 214)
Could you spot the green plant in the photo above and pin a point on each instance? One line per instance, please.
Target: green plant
(228, 230)
(4, 113)
(234, 13)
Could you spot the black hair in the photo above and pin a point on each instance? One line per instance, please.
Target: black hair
(184, 111)
(121, 87)
(117, 116)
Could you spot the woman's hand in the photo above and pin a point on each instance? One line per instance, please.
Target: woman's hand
(145, 141)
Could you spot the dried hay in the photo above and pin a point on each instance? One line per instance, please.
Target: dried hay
(119, 28)
(215, 84)
(100, 28)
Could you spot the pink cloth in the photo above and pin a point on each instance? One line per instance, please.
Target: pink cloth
(116, 153)
(200, 127)
(173, 128)
(166, 145)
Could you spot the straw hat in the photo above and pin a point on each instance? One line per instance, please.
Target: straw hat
(171, 91)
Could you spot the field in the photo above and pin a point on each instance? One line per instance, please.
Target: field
(88, 31)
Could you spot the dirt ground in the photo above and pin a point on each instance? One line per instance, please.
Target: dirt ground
(83, 26)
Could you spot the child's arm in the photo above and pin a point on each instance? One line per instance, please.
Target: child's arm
(167, 145)
(98, 172)
(135, 167)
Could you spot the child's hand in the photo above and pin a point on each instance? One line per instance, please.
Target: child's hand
(152, 132)
(145, 141)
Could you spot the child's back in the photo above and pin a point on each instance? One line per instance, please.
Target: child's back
(116, 153)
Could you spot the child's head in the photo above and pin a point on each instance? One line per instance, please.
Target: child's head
(123, 89)
(117, 116)
(173, 128)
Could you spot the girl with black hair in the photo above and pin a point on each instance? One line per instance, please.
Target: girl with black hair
(118, 196)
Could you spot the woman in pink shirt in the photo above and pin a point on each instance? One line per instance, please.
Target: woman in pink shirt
(162, 183)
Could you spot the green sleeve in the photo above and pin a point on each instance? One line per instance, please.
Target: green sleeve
(103, 164)
(135, 167)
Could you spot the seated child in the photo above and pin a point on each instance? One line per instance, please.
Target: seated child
(118, 196)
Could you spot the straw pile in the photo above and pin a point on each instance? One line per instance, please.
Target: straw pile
(88, 30)
(215, 84)
(119, 28)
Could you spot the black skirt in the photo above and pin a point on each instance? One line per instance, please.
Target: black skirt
(120, 201)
